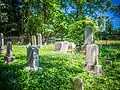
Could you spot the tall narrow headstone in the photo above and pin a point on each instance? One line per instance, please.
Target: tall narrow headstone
(39, 40)
(77, 84)
(88, 36)
(34, 40)
(9, 57)
(92, 60)
(2, 48)
(33, 58)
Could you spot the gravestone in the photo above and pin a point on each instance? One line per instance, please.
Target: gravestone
(9, 57)
(64, 47)
(2, 48)
(34, 40)
(39, 40)
(92, 60)
(88, 36)
(33, 58)
(58, 46)
(77, 84)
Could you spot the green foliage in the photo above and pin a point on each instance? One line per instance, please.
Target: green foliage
(59, 69)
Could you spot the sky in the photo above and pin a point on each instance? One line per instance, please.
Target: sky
(116, 20)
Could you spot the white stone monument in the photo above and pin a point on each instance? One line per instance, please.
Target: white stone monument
(92, 60)
(2, 48)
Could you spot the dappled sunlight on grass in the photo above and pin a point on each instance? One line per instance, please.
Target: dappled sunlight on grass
(58, 70)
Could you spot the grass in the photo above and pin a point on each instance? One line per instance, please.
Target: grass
(59, 69)
(107, 42)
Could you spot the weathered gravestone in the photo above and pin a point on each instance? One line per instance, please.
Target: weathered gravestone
(33, 58)
(64, 47)
(9, 57)
(92, 60)
(77, 84)
(39, 40)
(88, 36)
(34, 40)
(2, 48)
(58, 46)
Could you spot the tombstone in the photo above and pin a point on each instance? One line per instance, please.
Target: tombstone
(77, 84)
(92, 60)
(39, 40)
(33, 58)
(64, 47)
(108, 62)
(9, 57)
(58, 46)
(88, 36)
(2, 48)
(34, 40)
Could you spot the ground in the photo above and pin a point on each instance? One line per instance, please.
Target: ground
(59, 69)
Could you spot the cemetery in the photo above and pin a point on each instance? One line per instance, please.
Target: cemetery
(56, 45)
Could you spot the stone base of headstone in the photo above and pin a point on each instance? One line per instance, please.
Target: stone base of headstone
(94, 69)
(9, 59)
(34, 69)
(77, 84)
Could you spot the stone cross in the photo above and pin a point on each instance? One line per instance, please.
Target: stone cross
(2, 48)
(92, 60)
(88, 36)
(9, 57)
(33, 58)
(34, 40)
(77, 84)
(39, 40)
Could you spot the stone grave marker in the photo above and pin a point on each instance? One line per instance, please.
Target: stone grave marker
(88, 36)
(9, 57)
(78, 84)
(39, 40)
(34, 40)
(58, 46)
(33, 58)
(64, 47)
(92, 60)
(2, 48)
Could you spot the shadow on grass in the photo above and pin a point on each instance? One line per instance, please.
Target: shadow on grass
(55, 75)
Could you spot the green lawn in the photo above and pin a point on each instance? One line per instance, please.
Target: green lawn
(59, 69)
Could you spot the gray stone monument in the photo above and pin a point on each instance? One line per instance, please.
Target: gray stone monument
(88, 36)
(34, 40)
(58, 46)
(92, 60)
(33, 58)
(2, 48)
(39, 40)
(9, 57)
(77, 84)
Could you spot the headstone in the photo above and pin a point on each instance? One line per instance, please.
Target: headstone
(2, 48)
(34, 40)
(88, 36)
(92, 60)
(58, 46)
(64, 47)
(39, 40)
(77, 84)
(33, 58)
(9, 57)
(108, 62)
